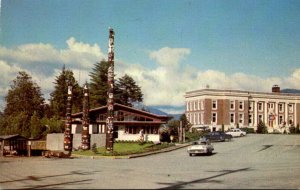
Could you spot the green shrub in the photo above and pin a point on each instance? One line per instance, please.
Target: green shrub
(248, 130)
(94, 148)
(261, 128)
(297, 129)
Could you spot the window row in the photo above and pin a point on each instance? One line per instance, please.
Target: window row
(195, 105)
(271, 106)
(124, 116)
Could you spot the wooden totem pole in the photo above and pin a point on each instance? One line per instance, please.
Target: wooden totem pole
(85, 136)
(110, 99)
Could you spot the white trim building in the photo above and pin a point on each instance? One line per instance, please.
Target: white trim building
(214, 108)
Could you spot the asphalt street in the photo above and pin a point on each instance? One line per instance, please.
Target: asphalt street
(251, 162)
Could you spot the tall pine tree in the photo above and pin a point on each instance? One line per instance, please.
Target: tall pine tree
(127, 91)
(98, 84)
(58, 99)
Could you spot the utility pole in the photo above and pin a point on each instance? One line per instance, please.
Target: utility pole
(67, 134)
(110, 100)
(85, 136)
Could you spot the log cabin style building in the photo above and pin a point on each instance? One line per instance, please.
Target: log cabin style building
(128, 122)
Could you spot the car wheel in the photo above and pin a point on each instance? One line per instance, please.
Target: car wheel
(191, 154)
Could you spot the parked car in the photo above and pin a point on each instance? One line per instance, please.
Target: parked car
(200, 147)
(218, 136)
(236, 132)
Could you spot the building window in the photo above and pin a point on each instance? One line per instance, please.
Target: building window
(280, 107)
(196, 105)
(260, 106)
(202, 118)
(291, 108)
(202, 105)
(241, 118)
(250, 106)
(271, 105)
(199, 105)
(280, 119)
(231, 117)
(250, 118)
(232, 104)
(214, 104)
(214, 117)
(195, 118)
(241, 105)
(291, 121)
(199, 118)
(260, 118)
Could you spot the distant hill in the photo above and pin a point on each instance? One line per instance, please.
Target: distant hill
(290, 91)
(150, 109)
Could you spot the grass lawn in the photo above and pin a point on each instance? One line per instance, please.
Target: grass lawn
(122, 149)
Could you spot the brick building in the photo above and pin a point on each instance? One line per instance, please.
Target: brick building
(214, 108)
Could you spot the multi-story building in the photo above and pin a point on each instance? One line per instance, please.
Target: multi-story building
(232, 108)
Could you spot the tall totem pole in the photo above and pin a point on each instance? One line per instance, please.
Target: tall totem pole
(110, 100)
(85, 136)
(67, 134)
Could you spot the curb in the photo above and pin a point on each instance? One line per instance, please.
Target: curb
(178, 146)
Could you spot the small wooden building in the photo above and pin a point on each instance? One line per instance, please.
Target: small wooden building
(13, 145)
(128, 122)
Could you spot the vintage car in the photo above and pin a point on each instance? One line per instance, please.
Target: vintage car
(218, 136)
(200, 147)
(236, 132)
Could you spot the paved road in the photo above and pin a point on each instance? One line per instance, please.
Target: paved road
(254, 161)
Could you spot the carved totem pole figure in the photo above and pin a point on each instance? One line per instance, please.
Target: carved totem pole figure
(85, 136)
(110, 100)
(67, 134)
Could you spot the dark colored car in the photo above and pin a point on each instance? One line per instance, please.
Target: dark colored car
(218, 136)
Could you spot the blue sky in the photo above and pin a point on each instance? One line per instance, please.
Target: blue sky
(167, 46)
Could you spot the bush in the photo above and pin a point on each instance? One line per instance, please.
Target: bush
(94, 148)
(261, 128)
(248, 130)
(297, 129)
(193, 136)
(292, 129)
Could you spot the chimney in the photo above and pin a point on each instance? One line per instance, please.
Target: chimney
(276, 89)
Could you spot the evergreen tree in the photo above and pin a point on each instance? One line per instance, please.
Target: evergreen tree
(36, 128)
(24, 96)
(59, 96)
(23, 100)
(127, 91)
(98, 85)
(185, 123)
(261, 128)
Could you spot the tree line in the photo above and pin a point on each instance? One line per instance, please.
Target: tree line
(27, 114)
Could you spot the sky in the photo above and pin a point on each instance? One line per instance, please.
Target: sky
(168, 47)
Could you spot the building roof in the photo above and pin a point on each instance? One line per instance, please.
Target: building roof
(6, 137)
(149, 117)
(241, 93)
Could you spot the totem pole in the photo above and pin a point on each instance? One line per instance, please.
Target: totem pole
(67, 134)
(85, 136)
(110, 100)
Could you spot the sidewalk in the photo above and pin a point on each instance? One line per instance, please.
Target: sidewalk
(177, 146)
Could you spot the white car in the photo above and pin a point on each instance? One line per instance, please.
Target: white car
(236, 132)
(200, 147)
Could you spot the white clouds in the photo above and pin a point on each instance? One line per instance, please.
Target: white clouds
(169, 56)
(165, 84)
(44, 62)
